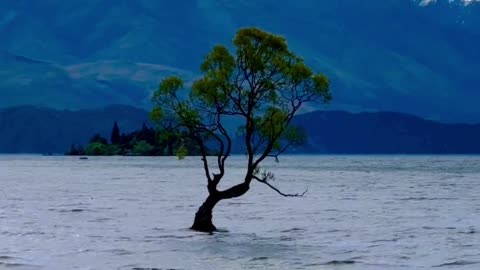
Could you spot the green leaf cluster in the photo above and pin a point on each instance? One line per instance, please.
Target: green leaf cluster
(100, 149)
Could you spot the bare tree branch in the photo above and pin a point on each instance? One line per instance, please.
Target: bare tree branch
(203, 151)
(279, 152)
(264, 181)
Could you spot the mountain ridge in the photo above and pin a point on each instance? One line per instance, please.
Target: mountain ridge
(33, 129)
(380, 55)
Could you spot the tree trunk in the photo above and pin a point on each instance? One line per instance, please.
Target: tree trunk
(203, 217)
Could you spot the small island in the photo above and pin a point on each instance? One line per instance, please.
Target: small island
(146, 141)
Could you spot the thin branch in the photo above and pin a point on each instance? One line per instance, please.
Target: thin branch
(229, 143)
(277, 190)
(278, 153)
(204, 157)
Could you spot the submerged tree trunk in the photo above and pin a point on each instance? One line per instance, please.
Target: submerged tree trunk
(203, 217)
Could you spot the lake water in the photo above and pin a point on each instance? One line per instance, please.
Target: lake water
(360, 212)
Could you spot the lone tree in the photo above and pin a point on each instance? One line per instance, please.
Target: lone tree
(261, 87)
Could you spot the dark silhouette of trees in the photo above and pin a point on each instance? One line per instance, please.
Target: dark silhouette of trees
(115, 135)
(262, 86)
(146, 134)
(143, 142)
(76, 150)
(97, 138)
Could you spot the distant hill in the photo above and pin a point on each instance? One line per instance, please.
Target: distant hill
(384, 133)
(42, 130)
(379, 54)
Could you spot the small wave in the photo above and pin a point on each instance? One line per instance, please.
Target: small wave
(68, 205)
(334, 231)
(239, 203)
(386, 240)
(105, 208)
(255, 218)
(334, 263)
(438, 228)
(19, 266)
(426, 199)
(99, 220)
(96, 236)
(293, 230)
(469, 231)
(74, 210)
(259, 259)
(456, 263)
(32, 233)
(142, 268)
(7, 233)
(341, 262)
(129, 199)
(286, 238)
(119, 252)
(168, 236)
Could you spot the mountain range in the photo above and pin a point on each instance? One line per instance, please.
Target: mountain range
(384, 133)
(30, 129)
(417, 57)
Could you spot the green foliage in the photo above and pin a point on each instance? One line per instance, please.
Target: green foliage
(321, 86)
(143, 142)
(263, 84)
(170, 86)
(100, 149)
(97, 138)
(142, 148)
(182, 152)
(96, 149)
(112, 150)
(156, 114)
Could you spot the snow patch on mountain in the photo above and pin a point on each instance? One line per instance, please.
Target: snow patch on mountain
(465, 2)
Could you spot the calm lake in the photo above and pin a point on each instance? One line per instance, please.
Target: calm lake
(360, 212)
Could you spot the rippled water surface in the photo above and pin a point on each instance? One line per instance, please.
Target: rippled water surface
(361, 212)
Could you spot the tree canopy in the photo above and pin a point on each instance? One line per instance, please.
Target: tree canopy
(261, 86)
